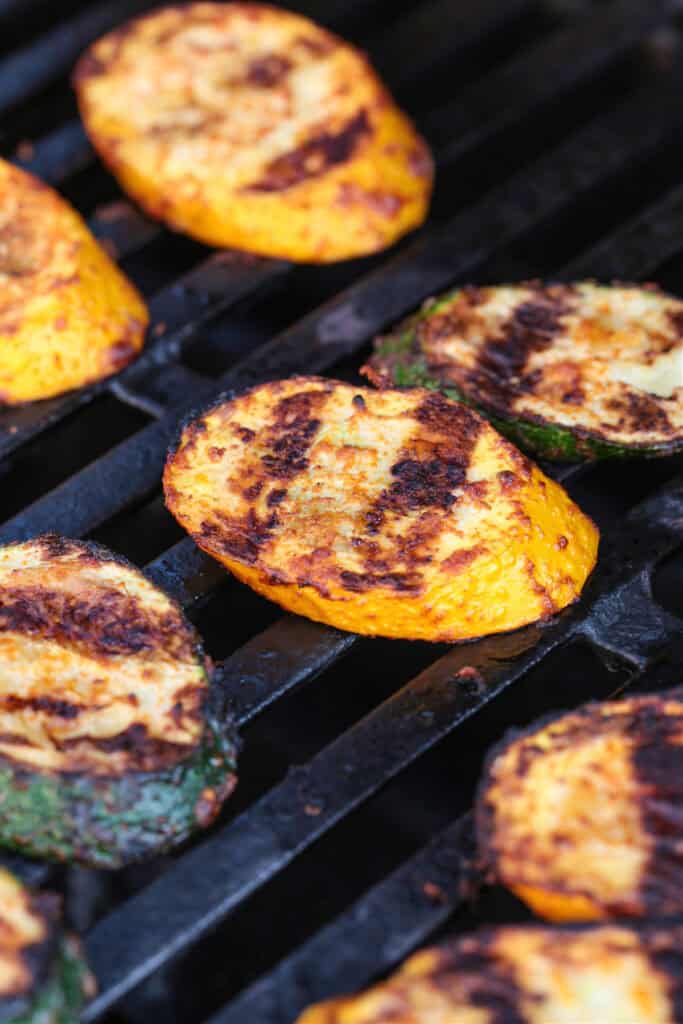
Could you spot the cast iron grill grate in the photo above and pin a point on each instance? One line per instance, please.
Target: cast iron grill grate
(557, 131)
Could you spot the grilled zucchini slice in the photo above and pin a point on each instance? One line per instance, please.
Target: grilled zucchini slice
(109, 748)
(43, 977)
(245, 125)
(394, 513)
(570, 371)
(582, 815)
(529, 975)
(68, 316)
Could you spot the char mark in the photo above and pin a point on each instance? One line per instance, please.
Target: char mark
(142, 752)
(490, 982)
(498, 375)
(314, 157)
(103, 624)
(640, 412)
(658, 767)
(51, 705)
(267, 72)
(292, 433)
(402, 582)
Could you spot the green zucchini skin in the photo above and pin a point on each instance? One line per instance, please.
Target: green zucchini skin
(64, 994)
(400, 355)
(106, 822)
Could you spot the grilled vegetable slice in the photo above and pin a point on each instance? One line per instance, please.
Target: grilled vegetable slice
(109, 749)
(529, 975)
(570, 371)
(68, 316)
(393, 513)
(43, 978)
(244, 125)
(582, 815)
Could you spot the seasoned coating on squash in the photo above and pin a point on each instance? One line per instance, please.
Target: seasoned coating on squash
(245, 125)
(99, 670)
(570, 369)
(582, 815)
(389, 513)
(529, 975)
(68, 316)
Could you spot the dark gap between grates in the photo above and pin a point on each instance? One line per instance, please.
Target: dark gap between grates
(141, 533)
(605, 491)
(393, 826)
(666, 585)
(42, 464)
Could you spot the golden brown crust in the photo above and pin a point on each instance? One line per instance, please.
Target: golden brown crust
(99, 670)
(68, 316)
(581, 816)
(395, 513)
(528, 975)
(246, 125)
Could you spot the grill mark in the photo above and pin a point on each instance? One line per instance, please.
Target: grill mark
(143, 752)
(639, 411)
(403, 583)
(51, 705)
(658, 766)
(491, 983)
(502, 359)
(460, 560)
(103, 624)
(314, 157)
(428, 482)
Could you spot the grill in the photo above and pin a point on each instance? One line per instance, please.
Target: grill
(557, 130)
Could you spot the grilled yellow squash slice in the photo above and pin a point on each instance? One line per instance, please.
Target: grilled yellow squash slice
(43, 977)
(68, 316)
(570, 371)
(394, 513)
(529, 975)
(110, 748)
(244, 125)
(582, 815)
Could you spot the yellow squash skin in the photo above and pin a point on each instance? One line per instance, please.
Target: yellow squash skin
(245, 125)
(393, 513)
(68, 316)
(581, 815)
(528, 975)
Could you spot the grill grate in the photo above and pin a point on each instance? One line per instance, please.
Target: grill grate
(557, 137)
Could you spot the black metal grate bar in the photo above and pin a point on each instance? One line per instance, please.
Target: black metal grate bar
(341, 326)
(481, 117)
(637, 248)
(210, 881)
(391, 919)
(567, 58)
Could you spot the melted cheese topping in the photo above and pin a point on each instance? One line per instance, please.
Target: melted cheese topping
(98, 669)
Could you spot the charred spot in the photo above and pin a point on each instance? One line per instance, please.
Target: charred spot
(501, 361)
(561, 542)
(291, 435)
(239, 538)
(55, 546)
(490, 984)
(639, 411)
(508, 481)
(549, 607)
(422, 484)
(244, 433)
(267, 72)
(359, 402)
(51, 705)
(143, 752)
(314, 157)
(676, 321)
(215, 453)
(316, 47)
(105, 622)
(403, 583)
(386, 204)
(460, 559)
(658, 766)
(252, 492)
(276, 496)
